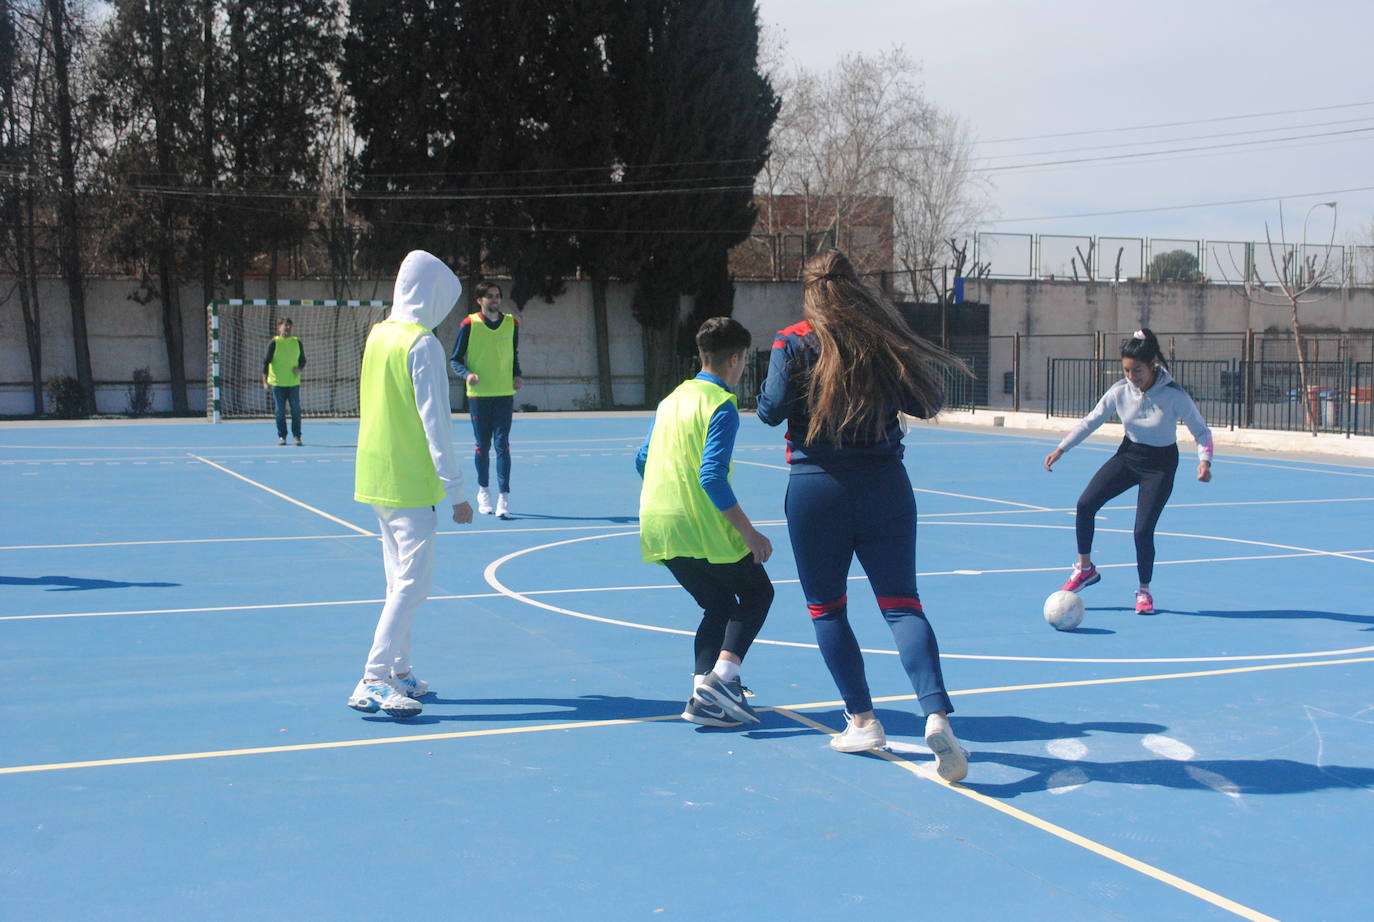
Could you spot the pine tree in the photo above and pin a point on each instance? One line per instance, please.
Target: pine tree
(693, 117)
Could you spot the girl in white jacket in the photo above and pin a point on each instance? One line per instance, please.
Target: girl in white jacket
(1150, 404)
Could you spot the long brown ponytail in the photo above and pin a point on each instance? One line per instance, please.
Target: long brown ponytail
(870, 361)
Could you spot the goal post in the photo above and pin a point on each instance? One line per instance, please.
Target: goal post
(332, 334)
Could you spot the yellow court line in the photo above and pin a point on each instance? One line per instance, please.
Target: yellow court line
(289, 499)
(337, 744)
(574, 725)
(923, 771)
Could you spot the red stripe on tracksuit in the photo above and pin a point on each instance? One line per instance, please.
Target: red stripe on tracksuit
(819, 610)
(898, 603)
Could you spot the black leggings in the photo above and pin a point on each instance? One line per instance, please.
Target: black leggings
(734, 600)
(1153, 469)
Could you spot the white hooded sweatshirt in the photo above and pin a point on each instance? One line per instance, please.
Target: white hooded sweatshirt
(1150, 417)
(426, 291)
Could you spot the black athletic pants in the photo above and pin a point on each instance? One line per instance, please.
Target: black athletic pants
(734, 599)
(1150, 467)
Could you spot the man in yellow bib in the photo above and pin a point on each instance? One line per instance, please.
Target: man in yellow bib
(281, 376)
(406, 466)
(690, 521)
(487, 357)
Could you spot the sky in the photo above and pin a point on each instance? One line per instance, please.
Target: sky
(1077, 80)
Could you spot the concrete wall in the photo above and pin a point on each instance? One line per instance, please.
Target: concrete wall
(1040, 307)
(1058, 319)
(557, 341)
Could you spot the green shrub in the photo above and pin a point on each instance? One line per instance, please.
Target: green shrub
(141, 392)
(67, 399)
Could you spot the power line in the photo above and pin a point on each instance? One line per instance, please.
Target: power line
(1030, 170)
(426, 196)
(1242, 201)
(1177, 150)
(1201, 121)
(1196, 137)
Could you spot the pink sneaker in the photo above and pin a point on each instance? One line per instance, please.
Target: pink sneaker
(1081, 579)
(1144, 602)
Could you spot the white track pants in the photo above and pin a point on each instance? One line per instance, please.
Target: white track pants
(408, 556)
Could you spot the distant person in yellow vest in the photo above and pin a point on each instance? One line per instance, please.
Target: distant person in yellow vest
(281, 375)
(406, 467)
(487, 357)
(690, 521)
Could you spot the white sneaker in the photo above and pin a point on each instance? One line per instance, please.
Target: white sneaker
(951, 759)
(859, 739)
(412, 686)
(503, 506)
(372, 695)
(484, 501)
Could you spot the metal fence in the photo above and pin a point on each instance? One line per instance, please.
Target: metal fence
(1238, 380)
(961, 391)
(747, 391)
(1253, 394)
(1088, 258)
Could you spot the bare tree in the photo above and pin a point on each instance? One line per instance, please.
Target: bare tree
(63, 36)
(936, 196)
(21, 62)
(1299, 278)
(862, 133)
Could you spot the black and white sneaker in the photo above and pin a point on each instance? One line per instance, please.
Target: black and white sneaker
(729, 696)
(708, 715)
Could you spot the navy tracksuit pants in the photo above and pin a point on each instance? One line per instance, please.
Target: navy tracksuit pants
(491, 421)
(1153, 468)
(834, 516)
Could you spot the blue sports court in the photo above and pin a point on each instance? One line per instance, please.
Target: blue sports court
(184, 609)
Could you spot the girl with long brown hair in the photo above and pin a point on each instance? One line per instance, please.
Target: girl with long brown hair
(841, 380)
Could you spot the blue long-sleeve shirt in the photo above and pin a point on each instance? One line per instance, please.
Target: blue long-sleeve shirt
(783, 399)
(715, 456)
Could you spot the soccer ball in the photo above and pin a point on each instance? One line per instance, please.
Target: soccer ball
(1063, 610)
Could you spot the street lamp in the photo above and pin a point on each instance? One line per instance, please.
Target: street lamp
(1302, 257)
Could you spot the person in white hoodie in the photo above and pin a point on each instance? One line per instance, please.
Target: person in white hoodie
(1150, 404)
(406, 467)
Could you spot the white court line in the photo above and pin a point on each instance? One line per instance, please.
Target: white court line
(486, 531)
(772, 467)
(490, 575)
(469, 532)
(859, 577)
(289, 499)
(1303, 551)
(981, 499)
(984, 499)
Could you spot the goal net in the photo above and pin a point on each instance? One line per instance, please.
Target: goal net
(332, 335)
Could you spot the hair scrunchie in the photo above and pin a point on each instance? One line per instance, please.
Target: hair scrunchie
(1138, 334)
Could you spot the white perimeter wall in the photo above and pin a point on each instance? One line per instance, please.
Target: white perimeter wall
(557, 341)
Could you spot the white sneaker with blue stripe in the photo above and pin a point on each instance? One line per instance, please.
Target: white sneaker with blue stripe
(413, 687)
(386, 695)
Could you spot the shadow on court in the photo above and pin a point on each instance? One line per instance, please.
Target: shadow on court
(76, 584)
(1011, 729)
(909, 725)
(551, 710)
(1286, 614)
(1279, 614)
(1235, 777)
(613, 519)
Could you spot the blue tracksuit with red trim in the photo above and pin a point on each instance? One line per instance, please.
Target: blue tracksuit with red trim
(847, 500)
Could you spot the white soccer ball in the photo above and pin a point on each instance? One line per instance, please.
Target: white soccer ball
(1063, 610)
